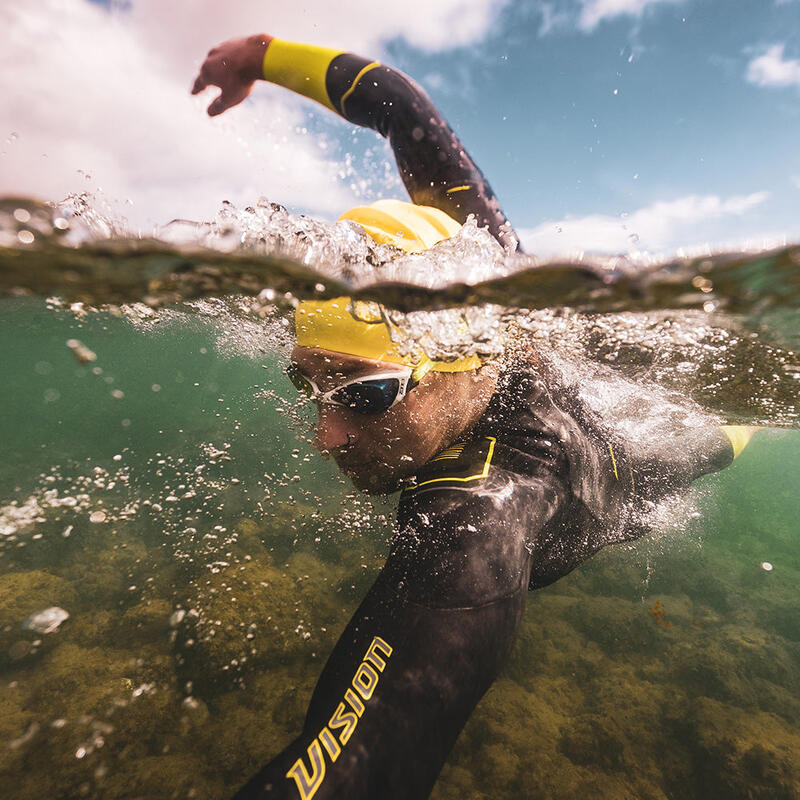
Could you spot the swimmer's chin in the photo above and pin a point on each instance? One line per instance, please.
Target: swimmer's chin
(373, 479)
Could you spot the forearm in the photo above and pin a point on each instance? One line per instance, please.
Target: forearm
(393, 697)
(434, 166)
(423, 647)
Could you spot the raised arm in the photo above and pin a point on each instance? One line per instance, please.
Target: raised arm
(435, 168)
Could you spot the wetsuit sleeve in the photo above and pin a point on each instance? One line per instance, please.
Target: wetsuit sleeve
(435, 168)
(427, 641)
(657, 470)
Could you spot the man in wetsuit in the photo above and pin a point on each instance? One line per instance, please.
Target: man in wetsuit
(510, 481)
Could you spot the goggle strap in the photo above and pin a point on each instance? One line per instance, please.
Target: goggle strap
(420, 371)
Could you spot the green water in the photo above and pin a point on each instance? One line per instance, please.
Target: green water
(227, 556)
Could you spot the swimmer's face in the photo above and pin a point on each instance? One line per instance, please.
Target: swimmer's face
(377, 451)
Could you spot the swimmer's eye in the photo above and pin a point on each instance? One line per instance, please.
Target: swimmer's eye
(368, 397)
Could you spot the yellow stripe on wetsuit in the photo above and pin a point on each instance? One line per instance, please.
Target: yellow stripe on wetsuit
(303, 69)
(353, 85)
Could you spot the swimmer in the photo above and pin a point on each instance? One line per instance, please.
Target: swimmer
(509, 480)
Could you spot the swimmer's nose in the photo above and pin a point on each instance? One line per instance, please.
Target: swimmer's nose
(333, 431)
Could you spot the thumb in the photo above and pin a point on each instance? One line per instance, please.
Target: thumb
(199, 84)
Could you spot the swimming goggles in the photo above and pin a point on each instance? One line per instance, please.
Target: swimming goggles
(366, 394)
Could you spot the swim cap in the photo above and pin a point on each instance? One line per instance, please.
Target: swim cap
(359, 329)
(404, 225)
(346, 327)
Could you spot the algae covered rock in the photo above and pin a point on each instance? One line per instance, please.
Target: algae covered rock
(149, 618)
(617, 626)
(253, 616)
(745, 755)
(23, 594)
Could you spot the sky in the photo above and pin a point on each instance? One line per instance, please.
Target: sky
(602, 125)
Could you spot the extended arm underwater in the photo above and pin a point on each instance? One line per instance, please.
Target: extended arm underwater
(434, 165)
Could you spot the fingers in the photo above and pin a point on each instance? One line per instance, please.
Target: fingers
(200, 83)
(229, 98)
(218, 105)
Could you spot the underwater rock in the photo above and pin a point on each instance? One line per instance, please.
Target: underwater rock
(48, 620)
(246, 617)
(594, 740)
(742, 755)
(23, 594)
(617, 626)
(156, 776)
(149, 618)
(19, 650)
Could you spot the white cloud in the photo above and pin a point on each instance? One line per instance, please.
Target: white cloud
(662, 226)
(772, 69)
(554, 18)
(106, 92)
(593, 12)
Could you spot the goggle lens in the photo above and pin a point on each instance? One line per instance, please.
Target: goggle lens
(368, 397)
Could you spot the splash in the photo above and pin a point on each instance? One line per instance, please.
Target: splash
(719, 328)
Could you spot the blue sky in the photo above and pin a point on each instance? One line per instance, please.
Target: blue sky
(568, 122)
(602, 125)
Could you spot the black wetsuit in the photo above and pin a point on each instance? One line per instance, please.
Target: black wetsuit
(535, 489)
(435, 167)
(538, 486)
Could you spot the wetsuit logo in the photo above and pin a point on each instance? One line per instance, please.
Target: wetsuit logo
(344, 720)
(459, 466)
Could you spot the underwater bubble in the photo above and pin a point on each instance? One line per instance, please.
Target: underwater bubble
(26, 737)
(47, 620)
(82, 353)
(176, 618)
(97, 516)
(22, 215)
(766, 566)
(26, 237)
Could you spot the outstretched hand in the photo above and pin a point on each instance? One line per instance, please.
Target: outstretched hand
(233, 66)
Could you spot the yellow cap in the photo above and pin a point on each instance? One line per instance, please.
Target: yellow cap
(404, 225)
(346, 327)
(359, 329)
